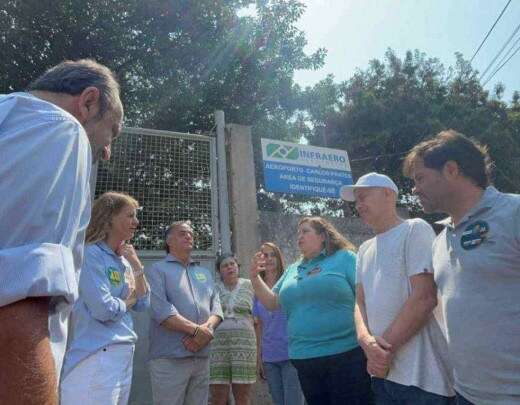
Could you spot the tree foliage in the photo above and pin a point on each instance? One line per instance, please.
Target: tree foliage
(178, 60)
(384, 110)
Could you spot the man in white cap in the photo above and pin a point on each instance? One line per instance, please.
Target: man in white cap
(395, 300)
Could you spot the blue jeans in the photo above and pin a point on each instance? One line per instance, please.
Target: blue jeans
(390, 393)
(283, 382)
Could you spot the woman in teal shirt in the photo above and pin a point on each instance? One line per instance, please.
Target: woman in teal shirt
(317, 294)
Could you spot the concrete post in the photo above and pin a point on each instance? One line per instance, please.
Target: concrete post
(244, 208)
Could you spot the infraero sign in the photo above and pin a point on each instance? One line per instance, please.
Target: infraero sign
(304, 169)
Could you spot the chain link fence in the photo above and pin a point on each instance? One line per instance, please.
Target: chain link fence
(173, 176)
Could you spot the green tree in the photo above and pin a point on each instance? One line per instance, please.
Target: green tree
(178, 60)
(385, 110)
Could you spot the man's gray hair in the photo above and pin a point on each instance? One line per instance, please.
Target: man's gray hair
(170, 228)
(72, 77)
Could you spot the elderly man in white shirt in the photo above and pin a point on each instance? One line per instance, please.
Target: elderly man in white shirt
(395, 301)
(49, 137)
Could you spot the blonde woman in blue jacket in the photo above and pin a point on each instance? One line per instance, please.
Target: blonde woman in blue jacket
(98, 362)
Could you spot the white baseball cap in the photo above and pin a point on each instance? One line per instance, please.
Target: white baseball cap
(368, 180)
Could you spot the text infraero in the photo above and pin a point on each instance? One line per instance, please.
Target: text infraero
(329, 157)
(292, 153)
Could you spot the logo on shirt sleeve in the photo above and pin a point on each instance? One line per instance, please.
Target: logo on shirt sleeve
(114, 276)
(474, 235)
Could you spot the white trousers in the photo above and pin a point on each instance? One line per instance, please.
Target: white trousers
(103, 378)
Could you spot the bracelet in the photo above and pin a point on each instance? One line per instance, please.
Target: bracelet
(138, 273)
(196, 331)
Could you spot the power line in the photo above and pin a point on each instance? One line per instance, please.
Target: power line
(378, 156)
(506, 55)
(489, 32)
(405, 152)
(500, 52)
(501, 66)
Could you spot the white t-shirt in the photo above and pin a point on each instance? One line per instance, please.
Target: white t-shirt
(384, 265)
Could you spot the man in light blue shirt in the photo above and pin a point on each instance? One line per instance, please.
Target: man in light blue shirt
(49, 137)
(185, 309)
(476, 262)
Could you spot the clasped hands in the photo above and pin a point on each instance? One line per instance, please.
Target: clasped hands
(379, 355)
(199, 339)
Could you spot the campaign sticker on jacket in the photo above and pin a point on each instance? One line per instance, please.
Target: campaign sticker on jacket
(114, 276)
(474, 235)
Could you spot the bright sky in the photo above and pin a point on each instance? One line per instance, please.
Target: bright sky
(356, 31)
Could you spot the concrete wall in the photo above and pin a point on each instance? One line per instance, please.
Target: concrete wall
(242, 190)
(281, 229)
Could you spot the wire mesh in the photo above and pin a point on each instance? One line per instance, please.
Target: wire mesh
(170, 175)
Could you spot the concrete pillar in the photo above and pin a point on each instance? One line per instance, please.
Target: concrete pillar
(242, 187)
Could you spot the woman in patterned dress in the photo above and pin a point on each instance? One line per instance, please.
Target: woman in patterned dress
(233, 350)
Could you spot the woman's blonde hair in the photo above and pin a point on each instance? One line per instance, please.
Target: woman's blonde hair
(334, 241)
(103, 210)
(280, 262)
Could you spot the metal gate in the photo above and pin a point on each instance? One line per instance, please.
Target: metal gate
(174, 177)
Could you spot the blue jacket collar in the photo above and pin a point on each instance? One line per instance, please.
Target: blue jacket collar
(104, 246)
(171, 258)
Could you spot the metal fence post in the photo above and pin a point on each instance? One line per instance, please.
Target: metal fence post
(223, 198)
